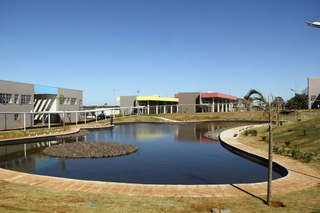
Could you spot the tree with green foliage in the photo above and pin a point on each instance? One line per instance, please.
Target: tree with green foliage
(299, 101)
(281, 102)
(62, 98)
(271, 108)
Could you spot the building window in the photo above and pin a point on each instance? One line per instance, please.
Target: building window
(5, 98)
(67, 101)
(16, 99)
(16, 117)
(73, 101)
(61, 99)
(25, 99)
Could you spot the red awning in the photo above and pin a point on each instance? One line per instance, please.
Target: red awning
(218, 95)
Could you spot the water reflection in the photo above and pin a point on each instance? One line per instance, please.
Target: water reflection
(25, 157)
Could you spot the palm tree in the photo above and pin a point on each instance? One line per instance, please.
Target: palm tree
(271, 108)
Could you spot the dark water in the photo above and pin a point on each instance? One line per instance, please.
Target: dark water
(168, 154)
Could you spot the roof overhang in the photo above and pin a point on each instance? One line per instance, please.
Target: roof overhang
(218, 95)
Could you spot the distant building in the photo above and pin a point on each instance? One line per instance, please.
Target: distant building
(186, 102)
(21, 97)
(314, 93)
(148, 104)
(192, 102)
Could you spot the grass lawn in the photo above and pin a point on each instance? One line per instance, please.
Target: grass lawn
(293, 132)
(221, 116)
(17, 198)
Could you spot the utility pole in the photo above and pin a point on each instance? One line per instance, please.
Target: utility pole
(114, 102)
(137, 102)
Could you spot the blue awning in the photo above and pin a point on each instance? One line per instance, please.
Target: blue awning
(45, 90)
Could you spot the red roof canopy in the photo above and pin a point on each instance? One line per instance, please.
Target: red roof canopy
(214, 95)
(218, 95)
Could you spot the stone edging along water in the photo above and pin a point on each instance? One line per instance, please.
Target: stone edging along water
(298, 177)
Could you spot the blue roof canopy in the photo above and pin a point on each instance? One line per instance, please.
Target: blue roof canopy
(45, 90)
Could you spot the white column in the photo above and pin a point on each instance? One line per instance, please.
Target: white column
(171, 109)
(24, 121)
(177, 108)
(164, 109)
(157, 109)
(218, 107)
(148, 108)
(25, 150)
(49, 120)
(212, 107)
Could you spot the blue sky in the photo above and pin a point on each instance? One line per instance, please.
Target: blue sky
(162, 47)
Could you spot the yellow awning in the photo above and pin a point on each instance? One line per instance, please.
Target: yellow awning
(152, 98)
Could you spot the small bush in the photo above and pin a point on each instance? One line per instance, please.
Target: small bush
(276, 149)
(283, 150)
(305, 132)
(315, 152)
(296, 153)
(287, 143)
(263, 138)
(308, 156)
(254, 132)
(246, 133)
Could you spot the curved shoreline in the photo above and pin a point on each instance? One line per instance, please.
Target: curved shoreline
(73, 130)
(299, 177)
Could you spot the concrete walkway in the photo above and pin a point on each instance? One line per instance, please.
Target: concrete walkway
(299, 177)
(167, 119)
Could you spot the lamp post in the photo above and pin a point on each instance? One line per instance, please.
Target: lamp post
(137, 101)
(114, 102)
(314, 23)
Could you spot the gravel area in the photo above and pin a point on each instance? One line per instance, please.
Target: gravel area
(90, 150)
(214, 135)
(82, 132)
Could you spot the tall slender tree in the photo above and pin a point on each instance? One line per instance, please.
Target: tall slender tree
(62, 98)
(271, 108)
